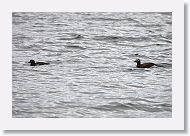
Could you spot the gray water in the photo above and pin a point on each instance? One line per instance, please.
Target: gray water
(92, 73)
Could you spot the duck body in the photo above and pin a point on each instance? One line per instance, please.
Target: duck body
(33, 63)
(144, 65)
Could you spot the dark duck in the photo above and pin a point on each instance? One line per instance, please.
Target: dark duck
(144, 65)
(33, 63)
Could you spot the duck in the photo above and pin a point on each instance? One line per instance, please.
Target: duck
(33, 63)
(144, 65)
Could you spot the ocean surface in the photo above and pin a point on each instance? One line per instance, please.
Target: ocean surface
(92, 73)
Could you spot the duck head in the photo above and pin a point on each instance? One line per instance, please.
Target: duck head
(31, 61)
(137, 61)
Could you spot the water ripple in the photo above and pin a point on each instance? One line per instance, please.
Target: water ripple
(92, 72)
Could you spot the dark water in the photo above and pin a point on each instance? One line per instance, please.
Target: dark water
(92, 72)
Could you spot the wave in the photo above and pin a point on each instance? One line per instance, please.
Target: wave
(75, 47)
(102, 38)
(105, 19)
(148, 25)
(71, 37)
(15, 14)
(165, 65)
(21, 37)
(120, 38)
(18, 22)
(151, 107)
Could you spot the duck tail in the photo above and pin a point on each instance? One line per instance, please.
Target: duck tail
(158, 65)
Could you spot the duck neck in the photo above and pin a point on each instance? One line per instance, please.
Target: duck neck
(33, 64)
(138, 63)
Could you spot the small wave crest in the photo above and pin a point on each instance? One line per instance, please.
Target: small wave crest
(70, 37)
(121, 38)
(104, 38)
(117, 106)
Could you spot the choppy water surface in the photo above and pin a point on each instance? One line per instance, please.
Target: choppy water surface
(92, 72)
